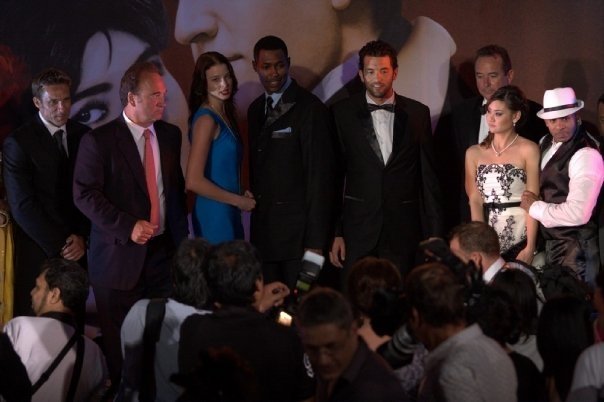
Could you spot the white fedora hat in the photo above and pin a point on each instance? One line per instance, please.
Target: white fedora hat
(559, 102)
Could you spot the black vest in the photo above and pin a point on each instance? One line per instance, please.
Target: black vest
(554, 183)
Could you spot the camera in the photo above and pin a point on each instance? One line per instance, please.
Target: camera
(391, 310)
(309, 272)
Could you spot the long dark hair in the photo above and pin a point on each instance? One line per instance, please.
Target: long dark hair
(514, 99)
(199, 86)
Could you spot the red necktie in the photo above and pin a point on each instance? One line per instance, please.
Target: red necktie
(151, 179)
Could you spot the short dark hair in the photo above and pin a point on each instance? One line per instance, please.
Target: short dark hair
(366, 277)
(131, 79)
(188, 281)
(564, 331)
(523, 293)
(494, 51)
(232, 270)
(601, 99)
(50, 76)
(270, 42)
(324, 306)
(476, 237)
(436, 293)
(377, 48)
(498, 316)
(70, 278)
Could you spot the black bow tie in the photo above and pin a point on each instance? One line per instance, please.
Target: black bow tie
(483, 109)
(389, 107)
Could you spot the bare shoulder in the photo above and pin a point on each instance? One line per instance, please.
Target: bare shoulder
(205, 124)
(474, 151)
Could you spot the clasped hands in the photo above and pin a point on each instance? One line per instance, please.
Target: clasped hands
(74, 248)
(247, 201)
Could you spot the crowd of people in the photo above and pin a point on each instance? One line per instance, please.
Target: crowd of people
(500, 313)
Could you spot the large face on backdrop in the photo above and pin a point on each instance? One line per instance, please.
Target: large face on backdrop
(105, 59)
(233, 31)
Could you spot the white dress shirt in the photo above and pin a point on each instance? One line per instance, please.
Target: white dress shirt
(484, 127)
(586, 173)
(383, 124)
(137, 134)
(491, 271)
(53, 129)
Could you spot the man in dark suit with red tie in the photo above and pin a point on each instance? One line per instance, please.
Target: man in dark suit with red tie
(38, 169)
(129, 183)
(391, 198)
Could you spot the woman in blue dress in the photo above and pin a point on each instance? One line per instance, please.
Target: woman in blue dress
(213, 169)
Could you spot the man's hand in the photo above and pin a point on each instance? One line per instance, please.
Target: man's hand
(527, 200)
(142, 232)
(74, 248)
(338, 252)
(273, 295)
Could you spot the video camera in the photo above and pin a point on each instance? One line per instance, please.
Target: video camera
(390, 310)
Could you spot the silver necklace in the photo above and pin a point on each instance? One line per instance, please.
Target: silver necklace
(222, 118)
(498, 153)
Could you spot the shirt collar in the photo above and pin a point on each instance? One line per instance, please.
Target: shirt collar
(495, 267)
(136, 130)
(51, 127)
(277, 95)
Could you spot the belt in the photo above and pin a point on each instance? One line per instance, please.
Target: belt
(489, 206)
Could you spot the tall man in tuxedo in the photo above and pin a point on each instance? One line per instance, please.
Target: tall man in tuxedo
(291, 166)
(39, 159)
(391, 196)
(129, 183)
(467, 126)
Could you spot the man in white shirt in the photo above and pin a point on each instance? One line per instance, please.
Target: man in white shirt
(60, 292)
(571, 177)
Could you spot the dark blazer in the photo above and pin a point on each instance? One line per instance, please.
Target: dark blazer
(110, 189)
(291, 174)
(458, 132)
(398, 199)
(38, 188)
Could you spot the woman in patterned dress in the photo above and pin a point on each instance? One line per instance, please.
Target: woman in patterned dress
(499, 169)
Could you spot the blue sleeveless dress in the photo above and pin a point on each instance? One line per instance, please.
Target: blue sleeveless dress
(215, 221)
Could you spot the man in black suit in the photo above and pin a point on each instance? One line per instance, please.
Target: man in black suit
(291, 166)
(38, 170)
(129, 183)
(391, 196)
(467, 126)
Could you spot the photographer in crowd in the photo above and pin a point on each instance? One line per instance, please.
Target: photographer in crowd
(463, 363)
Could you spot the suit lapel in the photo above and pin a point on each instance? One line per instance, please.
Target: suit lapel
(125, 143)
(286, 102)
(400, 124)
(368, 131)
(475, 118)
(164, 146)
(281, 108)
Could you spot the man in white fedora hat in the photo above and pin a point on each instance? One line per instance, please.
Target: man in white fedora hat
(572, 172)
